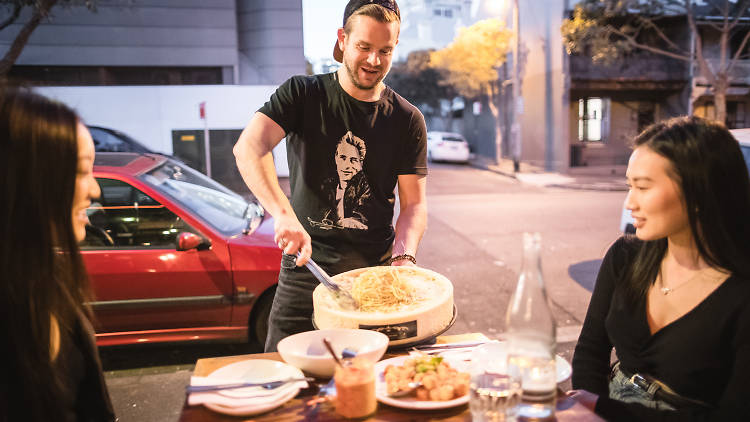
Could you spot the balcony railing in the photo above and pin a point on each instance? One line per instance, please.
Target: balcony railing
(635, 68)
(740, 73)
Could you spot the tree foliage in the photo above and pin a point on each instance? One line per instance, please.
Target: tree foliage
(608, 30)
(470, 63)
(10, 11)
(419, 83)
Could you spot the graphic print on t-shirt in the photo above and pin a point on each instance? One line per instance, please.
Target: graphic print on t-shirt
(348, 193)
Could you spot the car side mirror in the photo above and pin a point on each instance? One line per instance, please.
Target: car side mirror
(187, 241)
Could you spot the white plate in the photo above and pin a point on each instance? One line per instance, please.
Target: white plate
(496, 351)
(256, 370)
(564, 370)
(412, 402)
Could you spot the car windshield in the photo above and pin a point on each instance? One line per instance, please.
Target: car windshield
(746, 153)
(453, 139)
(219, 207)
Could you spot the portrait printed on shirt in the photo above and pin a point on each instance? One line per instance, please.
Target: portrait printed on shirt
(348, 194)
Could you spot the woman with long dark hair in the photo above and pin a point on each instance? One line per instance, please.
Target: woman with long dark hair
(49, 368)
(674, 301)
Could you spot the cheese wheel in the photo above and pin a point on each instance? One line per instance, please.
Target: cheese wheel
(430, 314)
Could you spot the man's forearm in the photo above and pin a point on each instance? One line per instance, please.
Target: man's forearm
(410, 226)
(255, 163)
(259, 174)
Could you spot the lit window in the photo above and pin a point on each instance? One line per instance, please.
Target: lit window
(592, 119)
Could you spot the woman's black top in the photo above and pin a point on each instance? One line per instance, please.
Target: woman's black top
(704, 355)
(85, 394)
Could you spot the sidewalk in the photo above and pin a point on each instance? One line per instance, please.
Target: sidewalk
(598, 178)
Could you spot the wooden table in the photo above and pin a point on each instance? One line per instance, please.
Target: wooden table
(297, 410)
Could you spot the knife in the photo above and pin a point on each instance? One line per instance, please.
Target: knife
(266, 385)
(440, 347)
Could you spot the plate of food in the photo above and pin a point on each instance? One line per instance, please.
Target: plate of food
(443, 382)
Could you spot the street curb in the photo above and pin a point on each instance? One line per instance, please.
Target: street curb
(482, 166)
(601, 187)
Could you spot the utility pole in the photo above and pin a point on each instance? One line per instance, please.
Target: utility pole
(206, 140)
(517, 108)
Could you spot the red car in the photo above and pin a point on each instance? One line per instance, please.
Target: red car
(175, 256)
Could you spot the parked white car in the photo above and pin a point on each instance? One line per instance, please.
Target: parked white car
(447, 146)
(742, 136)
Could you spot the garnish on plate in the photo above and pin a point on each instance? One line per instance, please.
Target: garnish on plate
(439, 380)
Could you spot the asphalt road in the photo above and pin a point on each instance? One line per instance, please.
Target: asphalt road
(475, 224)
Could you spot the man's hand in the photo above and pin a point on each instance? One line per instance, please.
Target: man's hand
(292, 238)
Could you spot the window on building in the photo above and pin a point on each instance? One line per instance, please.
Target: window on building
(593, 119)
(448, 13)
(437, 12)
(646, 114)
(735, 42)
(736, 115)
(116, 75)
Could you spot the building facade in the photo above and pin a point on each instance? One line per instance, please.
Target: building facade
(610, 105)
(163, 42)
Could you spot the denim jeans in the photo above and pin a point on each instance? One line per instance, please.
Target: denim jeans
(620, 388)
(292, 307)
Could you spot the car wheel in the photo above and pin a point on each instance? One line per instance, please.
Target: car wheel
(258, 324)
(429, 156)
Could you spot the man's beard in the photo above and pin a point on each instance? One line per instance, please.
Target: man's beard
(354, 77)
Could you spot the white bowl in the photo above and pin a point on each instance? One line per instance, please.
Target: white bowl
(307, 352)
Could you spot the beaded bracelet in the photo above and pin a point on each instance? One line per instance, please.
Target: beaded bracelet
(403, 256)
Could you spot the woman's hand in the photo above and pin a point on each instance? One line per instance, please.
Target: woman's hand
(584, 397)
(291, 237)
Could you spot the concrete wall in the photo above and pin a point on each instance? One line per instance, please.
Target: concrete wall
(150, 114)
(544, 122)
(270, 40)
(254, 41)
(144, 33)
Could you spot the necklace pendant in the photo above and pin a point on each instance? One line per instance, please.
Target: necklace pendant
(666, 290)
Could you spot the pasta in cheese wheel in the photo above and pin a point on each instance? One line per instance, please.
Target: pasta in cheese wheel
(408, 304)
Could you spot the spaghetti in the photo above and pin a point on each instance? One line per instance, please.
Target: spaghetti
(382, 289)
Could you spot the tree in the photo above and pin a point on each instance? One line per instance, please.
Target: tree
(40, 10)
(419, 83)
(607, 30)
(471, 62)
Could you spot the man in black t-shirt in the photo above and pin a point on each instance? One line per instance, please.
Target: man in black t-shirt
(350, 141)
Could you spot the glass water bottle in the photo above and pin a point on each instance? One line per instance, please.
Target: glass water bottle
(531, 335)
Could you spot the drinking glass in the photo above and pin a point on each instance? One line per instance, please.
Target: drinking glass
(494, 395)
(355, 388)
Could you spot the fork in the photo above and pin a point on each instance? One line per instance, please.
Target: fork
(266, 385)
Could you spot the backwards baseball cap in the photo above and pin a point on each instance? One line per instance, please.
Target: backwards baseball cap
(355, 5)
